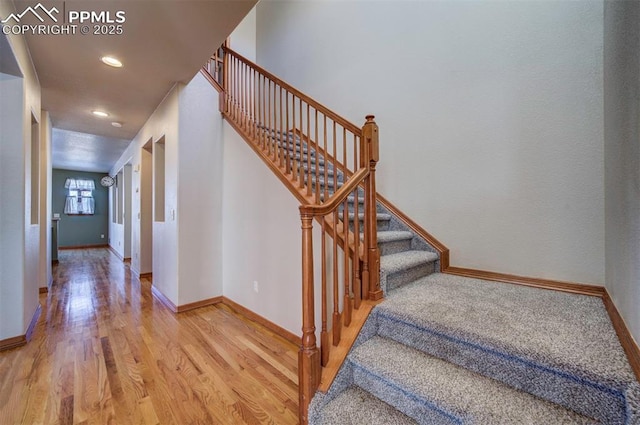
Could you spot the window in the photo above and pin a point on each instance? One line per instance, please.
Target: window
(80, 197)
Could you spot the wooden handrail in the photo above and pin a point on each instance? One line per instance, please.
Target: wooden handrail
(328, 112)
(317, 210)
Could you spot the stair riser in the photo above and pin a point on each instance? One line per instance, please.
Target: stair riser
(303, 159)
(320, 172)
(393, 281)
(423, 411)
(537, 379)
(289, 147)
(331, 184)
(351, 202)
(382, 225)
(393, 247)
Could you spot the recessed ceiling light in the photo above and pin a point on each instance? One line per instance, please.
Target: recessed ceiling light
(116, 124)
(100, 114)
(111, 61)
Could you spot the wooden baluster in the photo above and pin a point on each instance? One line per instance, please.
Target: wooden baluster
(308, 356)
(281, 160)
(264, 112)
(232, 86)
(243, 112)
(247, 91)
(345, 163)
(335, 157)
(370, 135)
(288, 153)
(269, 144)
(309, 151)
(222, 58)
(247, 95)
(357, 284)
(364, 160)
(294, 161)
(324, 334)
(326, 159)
(222, 103)
(336, 319)
(301, 168)
(346, 307)
(276, 137)
(317, 171)
(254, 84)
(258, 135)
(236, 90)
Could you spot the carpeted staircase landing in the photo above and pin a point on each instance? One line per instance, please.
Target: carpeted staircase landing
(451, 350)
(443, 349)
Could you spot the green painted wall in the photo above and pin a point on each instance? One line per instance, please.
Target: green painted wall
(80, 230)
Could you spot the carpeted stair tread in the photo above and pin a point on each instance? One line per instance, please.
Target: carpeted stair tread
(379, 216)
(434, 391)
(561, 347)
(547, 325)
(394, 263)
(355, 406)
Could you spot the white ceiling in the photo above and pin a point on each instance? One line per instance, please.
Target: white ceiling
(72, 150)
(163, 42)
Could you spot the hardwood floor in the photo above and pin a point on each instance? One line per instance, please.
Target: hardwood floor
(106, 352)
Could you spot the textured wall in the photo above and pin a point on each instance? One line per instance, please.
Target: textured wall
(200, 192)
(76, 230)
(490, 117)
(162, 123)
(19, 238)
(12, 214)
(261, 237)
(622, 157)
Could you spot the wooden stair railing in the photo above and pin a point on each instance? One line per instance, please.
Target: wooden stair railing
(328, 164)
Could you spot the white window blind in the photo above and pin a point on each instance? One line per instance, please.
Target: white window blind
(80, 197)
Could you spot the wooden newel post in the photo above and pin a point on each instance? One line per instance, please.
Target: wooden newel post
(309, 355)
(371, 147)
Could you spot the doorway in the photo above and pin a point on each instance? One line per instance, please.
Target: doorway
(146, 209)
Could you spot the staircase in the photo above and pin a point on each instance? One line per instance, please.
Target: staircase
(439, 349)
(444, 349)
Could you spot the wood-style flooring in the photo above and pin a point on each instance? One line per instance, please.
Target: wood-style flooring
(106, 352)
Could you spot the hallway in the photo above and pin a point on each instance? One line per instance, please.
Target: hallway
(105, 351)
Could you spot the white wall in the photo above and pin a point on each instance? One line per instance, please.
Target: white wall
(187, 258)
(243, 38)
(128, 198)
(261, 237)
(163, 122)
(12, 211)
(490, 117)
(20, 239)
(622, 158)
(199, 192)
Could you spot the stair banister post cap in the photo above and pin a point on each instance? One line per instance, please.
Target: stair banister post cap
(370, 118)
